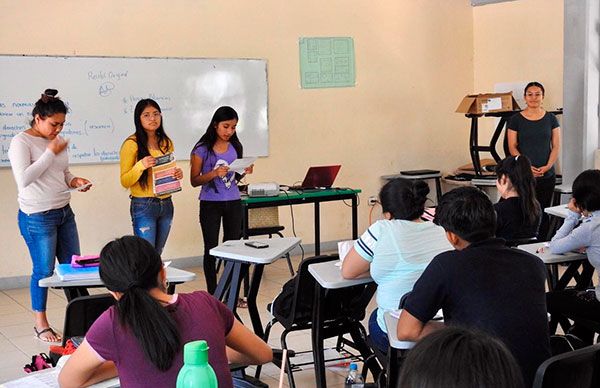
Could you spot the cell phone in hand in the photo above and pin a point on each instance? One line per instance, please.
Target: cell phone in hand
(257, 244)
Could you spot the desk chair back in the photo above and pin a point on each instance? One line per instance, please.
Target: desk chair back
(344, 308)
(576, 369)
(264, 219)
(294, 304)
(82, 312)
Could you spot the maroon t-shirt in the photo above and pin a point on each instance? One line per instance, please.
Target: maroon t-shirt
(198, 315)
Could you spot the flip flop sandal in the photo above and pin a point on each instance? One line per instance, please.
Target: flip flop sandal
(38, 334)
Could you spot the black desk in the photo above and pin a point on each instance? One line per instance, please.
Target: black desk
(293, 197)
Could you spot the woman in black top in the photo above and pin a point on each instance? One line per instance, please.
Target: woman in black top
(535, 133)
(518, 211)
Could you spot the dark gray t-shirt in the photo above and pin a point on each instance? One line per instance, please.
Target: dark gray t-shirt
(534, 138)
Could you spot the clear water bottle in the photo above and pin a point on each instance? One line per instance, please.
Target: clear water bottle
(354, 379)
(196, 372)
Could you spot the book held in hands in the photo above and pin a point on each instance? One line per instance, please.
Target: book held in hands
(163, 176)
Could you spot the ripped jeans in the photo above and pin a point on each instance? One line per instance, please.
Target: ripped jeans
(151, 218)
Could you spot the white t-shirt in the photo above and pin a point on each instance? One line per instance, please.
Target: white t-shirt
(399, 251)
(42, 177)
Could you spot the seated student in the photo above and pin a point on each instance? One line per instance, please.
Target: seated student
(518, 212)
(396, 250)
(585, 202)
(482, 284)
(457, 357)
(141, 338)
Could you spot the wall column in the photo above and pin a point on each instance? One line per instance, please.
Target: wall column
(581, 82)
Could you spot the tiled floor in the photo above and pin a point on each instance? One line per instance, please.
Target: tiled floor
(17, 342)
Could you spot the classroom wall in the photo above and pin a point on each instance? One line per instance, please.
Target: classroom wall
(518, 41)
(414, 62)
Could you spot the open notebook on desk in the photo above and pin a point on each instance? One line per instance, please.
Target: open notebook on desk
(48, 378)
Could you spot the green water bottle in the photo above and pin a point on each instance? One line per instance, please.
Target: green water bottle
(196, 372)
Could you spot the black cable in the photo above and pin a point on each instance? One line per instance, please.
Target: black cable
(343, 200)
(293, 219)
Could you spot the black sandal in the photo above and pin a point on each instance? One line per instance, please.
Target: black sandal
(38, 334)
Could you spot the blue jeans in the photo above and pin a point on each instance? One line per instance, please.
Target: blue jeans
(151, 218)
(48, 234)
(378, 337)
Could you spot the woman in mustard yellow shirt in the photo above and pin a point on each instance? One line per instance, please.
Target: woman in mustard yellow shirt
(151, 215)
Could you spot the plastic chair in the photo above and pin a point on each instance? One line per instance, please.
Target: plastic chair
(345, 308)
(82, 312)
(576, 369)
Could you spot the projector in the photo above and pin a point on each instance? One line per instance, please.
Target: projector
(266, 189)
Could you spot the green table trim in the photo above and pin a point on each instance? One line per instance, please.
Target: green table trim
(293, 194)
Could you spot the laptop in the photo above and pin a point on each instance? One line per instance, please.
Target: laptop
(319, 177)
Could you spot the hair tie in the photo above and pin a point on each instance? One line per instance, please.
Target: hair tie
(46, 98)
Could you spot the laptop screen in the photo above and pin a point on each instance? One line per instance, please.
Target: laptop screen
(320, 176)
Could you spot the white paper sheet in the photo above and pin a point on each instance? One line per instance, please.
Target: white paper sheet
(240, 164)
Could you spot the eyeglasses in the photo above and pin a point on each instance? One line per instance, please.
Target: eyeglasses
(148, 116)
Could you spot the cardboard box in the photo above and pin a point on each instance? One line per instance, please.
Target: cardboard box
(488, 103)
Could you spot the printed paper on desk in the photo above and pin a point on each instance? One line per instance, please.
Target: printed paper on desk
(163, 176)
(239, 165)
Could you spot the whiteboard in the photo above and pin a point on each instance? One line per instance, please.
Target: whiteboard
(101, 93)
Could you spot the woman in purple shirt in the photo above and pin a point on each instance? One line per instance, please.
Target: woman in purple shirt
(219, 197)
(141, 338)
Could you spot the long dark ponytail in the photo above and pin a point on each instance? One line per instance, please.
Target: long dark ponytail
(130, 265)
(141, 137)
(518, 170)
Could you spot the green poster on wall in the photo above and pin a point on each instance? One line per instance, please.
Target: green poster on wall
(326, 62)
